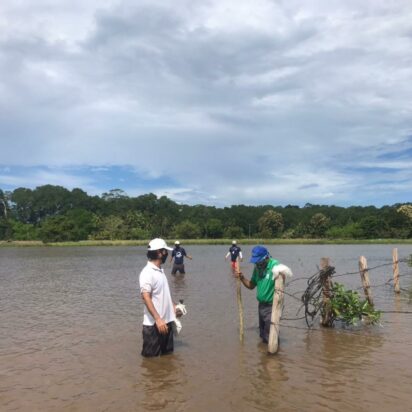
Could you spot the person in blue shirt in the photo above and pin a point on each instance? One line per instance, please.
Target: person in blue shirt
(235, 253)
(178, 255)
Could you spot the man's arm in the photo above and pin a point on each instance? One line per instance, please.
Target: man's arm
(246, 282)
(188, 256)
(160, 323)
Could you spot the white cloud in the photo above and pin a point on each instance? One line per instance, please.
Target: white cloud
(217, 95)
(41, 177)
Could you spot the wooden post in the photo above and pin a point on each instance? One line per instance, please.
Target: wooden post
(327, 286)
(363, 269)
(396, 270)
(277, 307)
(239, 302)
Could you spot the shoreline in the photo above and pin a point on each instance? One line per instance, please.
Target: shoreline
(39, 243)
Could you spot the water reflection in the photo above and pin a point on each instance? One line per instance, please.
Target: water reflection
(72, 314)
(267, 381)
(341, 350)
(163, 380)
(178, 286)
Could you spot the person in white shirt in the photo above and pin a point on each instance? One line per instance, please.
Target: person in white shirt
(159, 309)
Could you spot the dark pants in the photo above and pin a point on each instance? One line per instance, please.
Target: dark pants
(265, 316)
(156, 344)
(178, 268)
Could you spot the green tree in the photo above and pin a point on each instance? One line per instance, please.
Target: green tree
(23, 205)
(136, 225)
(24, 231)
(109, 228)
(270, 224)
(214, 228)
(319, 224)
(5, 226)
(3, 205)
(82, 223)
(349, 231)
(49, 200)
(187, 230)
(405, 210)
(233, 232)
(5, 229)
(372, 227)
(73, 226)
(55, 229)
(114, 194)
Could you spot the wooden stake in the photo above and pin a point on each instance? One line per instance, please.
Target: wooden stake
(239, 302)
(363, 269)
(277, 306)
(396, 270)
(327, 286)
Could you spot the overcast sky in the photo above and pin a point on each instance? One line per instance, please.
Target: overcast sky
(215, 102)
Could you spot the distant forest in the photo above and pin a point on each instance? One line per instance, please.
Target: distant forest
(55, 214)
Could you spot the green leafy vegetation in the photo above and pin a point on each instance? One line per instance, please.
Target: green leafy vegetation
(348, 307)
(55, 214)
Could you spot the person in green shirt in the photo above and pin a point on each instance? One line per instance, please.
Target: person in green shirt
(264, 278)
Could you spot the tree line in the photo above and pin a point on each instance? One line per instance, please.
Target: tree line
(56, 214)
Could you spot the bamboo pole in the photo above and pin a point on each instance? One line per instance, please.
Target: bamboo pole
(239, 302)
(277, 306)
(327, 286)
(396, 270)
(363, 269)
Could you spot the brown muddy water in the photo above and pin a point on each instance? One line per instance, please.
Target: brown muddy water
(70, 337)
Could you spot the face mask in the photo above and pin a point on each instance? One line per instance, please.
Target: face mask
(164, 257)
(261, 266)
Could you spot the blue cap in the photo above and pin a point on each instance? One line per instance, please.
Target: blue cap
(258, 254)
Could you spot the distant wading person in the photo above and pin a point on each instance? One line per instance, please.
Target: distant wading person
(178, 254)
(159, 309)
(234, 252)
(264, 276)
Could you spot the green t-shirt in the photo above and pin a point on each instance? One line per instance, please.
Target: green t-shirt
(264, 283)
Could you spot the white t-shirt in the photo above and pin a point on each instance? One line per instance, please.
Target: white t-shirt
(153, 280)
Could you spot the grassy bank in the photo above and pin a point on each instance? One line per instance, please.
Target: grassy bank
(37, 243)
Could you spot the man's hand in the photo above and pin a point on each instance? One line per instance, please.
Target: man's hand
(162, 326)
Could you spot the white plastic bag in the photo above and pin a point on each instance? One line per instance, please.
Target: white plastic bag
(181, 310)
(281, 269)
